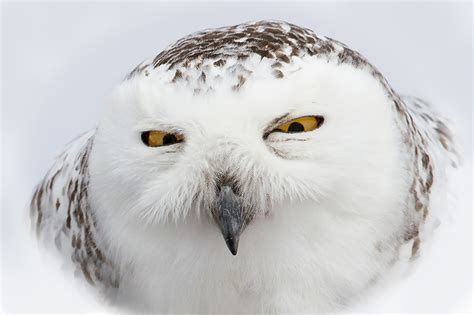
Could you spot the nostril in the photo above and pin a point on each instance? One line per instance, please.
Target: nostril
(227, 180)
(235, 188)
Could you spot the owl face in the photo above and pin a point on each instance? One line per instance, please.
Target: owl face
(318, 142)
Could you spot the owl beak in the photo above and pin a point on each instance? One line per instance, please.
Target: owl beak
(229, 218)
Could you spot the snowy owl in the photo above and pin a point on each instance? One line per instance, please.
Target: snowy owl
(252, 168)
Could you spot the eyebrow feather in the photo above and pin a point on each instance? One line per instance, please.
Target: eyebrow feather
(275, 123)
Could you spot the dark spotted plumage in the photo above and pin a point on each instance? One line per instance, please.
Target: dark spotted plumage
(61, 214)
(232, 48)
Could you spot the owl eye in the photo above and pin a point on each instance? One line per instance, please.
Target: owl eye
(156, 138)
(301, 124)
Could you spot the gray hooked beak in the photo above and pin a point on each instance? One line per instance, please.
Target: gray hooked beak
(229, 217)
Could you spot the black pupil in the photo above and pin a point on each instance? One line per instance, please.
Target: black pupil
(169, 139)
(145, 137)
(295, 127)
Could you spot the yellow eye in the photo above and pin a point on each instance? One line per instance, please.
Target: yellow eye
(301, 124)
(156, 138)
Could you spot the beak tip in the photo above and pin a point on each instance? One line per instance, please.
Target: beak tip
(232, 245)
(230, 218)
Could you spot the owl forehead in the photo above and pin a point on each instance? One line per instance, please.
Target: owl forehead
(232, 56)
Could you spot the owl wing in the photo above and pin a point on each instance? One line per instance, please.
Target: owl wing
(432, 147)
(434, 128)
(61, 214)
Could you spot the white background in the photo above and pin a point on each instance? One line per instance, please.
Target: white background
(60, 60)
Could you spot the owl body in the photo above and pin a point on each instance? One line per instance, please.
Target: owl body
(322, 215)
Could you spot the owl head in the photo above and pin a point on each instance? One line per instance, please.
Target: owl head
(262, 132)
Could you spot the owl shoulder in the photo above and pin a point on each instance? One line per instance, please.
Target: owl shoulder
(61, 215)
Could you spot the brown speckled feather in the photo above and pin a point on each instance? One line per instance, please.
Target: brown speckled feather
(61, 214)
